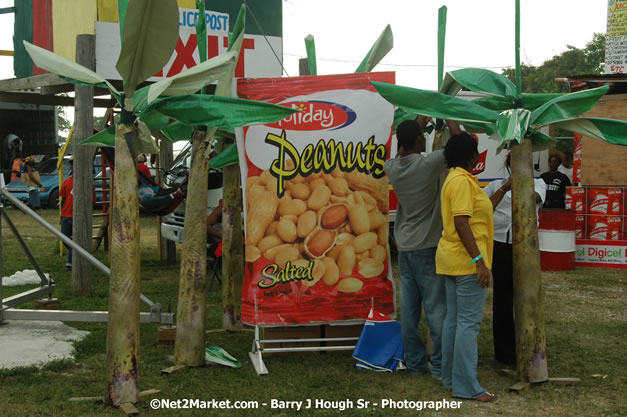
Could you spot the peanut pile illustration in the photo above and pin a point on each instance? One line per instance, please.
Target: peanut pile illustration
(336, 220)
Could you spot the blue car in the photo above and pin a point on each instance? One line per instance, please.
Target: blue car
(49, 192)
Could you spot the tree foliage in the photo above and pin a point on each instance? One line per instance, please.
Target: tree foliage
(573, 61)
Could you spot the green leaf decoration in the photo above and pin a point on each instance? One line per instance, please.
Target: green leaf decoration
(192, 79)
(177, 131)
(435, 104)
(441, 42)
(105, 137)
(218, 111)
(140, 98)
(69, 70)
(155, 120)
(310, 46)
(122, 6)
(144, 141)
(229, 156)
(540, 141)
(484, 81)
(534, 100)
(236, 39)
(201, 31)
(476, 128)
(150, 34)
(401, 115)
(608, 130)
(567, 106)
(531, 101)
(237, 36)
(512, 124)
(378, 51)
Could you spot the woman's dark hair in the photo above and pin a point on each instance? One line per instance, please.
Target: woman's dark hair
(459, 150)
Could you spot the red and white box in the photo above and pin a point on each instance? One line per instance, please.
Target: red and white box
(576, 199)
(580, 226)
(597, 200)
(603, 227)
(615, 201)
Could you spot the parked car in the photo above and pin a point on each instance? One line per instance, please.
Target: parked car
(49, 192)
(172, 224)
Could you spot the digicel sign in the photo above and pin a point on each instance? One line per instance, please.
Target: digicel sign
(256, 60)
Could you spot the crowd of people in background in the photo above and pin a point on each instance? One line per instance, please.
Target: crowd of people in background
(455, 238)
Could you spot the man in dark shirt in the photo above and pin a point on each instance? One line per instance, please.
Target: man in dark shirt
(556, 184)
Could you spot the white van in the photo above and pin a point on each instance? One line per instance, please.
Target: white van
(172, 224)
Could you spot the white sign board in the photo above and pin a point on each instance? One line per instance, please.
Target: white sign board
(605, 254)
(616, 37)
(257, 57)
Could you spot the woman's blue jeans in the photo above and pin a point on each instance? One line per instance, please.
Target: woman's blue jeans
(464, 312)
(420, 288)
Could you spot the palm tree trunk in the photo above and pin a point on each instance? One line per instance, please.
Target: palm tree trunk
(191, 316)
(232, 250)
(123, 326)
(529, 312)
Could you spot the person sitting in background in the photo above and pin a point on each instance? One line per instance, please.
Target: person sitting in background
(214, 224)
(556, 184)
(33, 183)
(143, 168)
(16, 168)
(503, 330)
(464, 259)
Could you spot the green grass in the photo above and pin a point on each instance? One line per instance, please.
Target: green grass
(585, 319)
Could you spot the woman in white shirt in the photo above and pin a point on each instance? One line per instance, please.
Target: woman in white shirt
(503, 331)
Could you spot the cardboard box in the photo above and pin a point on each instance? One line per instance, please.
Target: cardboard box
(580, 226)
(603, 227)
(331, 331)
(288, 332)
(576, 199)
(615, 201)
(597, 200)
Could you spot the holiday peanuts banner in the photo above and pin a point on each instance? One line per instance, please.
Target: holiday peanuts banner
(316, 201)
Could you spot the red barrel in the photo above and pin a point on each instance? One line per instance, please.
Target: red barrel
(557, 239)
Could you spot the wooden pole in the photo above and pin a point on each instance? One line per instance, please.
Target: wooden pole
(83, 169)
(529, 311)
(303, 66)
(232, 249)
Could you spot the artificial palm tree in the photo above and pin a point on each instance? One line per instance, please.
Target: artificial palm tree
(149, 32)
(519, 119)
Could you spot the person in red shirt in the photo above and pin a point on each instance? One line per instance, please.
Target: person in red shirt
(143, 168)
(66, 194)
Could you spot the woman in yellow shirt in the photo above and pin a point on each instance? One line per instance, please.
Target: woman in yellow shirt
(464, 259)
